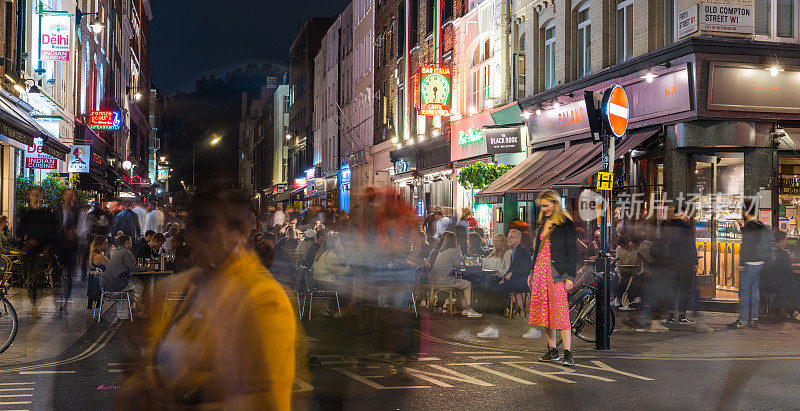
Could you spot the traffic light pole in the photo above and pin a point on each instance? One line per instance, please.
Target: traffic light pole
(603, 308)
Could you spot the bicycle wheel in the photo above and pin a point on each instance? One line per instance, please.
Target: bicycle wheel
(8, 324)
(589, 334)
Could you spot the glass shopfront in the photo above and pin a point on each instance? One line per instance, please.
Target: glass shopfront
(719, 181)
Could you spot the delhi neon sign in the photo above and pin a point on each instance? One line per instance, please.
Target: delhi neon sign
(105, 120)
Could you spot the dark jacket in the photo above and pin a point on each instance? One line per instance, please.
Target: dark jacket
(777, 276)
(563, 250)
(37, 224)
(128, 222)
(119, 269)
(520, 264)
(682, 251)
(755, 242)
(67, 223)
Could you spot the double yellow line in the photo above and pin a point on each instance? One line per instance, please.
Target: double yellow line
(98, 345)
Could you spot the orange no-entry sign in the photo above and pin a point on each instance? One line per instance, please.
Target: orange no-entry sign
(615, 110)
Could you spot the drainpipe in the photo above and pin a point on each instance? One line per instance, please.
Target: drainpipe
(505, 89)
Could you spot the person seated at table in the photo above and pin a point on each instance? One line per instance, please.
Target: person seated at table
(447, 260)
(319, 240)
(514, 280)
(420, 248)
(329, 272)
(97, 263)
(289, 242)
(143, 242)
(7, 242)
(499, 260)
(475, 246)
(117, 276)
(305, 245)
(153, 248)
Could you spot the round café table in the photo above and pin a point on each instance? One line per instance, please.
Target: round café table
(150, 276)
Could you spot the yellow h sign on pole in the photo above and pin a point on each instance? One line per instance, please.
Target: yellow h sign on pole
(605, 181)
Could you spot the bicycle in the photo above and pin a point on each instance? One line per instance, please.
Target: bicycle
(582, 311)
(8, 315)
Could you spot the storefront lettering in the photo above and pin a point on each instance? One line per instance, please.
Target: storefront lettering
(470, 136)
(570, 117)
(670, 91)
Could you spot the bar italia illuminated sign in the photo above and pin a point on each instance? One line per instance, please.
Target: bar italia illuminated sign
(105, 120)
(470, 136)
(435, 90)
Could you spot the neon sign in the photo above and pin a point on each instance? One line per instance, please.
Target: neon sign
(105, 120)
(435, 87)
(470, 136)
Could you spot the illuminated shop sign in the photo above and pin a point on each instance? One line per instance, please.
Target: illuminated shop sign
(435, 86)
(79, 158)
(54, 40)
(299, 183)
(470, 136)
(35, 156)
(105, 120)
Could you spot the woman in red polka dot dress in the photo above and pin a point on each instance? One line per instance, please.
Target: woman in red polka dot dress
(553, 275)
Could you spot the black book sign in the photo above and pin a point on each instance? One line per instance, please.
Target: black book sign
(503, 140)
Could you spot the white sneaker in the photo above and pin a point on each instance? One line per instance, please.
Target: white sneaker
(464, 312)
(473, 314)
(490, 332)
(533, 333)
(636, 300)
(463, 335)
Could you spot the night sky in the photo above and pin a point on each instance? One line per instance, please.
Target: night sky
(190, 39)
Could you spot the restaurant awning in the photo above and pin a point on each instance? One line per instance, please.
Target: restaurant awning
(564, 168)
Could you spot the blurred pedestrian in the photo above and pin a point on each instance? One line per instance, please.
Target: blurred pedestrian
(141, 215)
(127, 222)
(553, 275)
(683, 262)
(279, 217)
(466, 216)
(779, 281)
(231, 343)
(66, 218)
(101, 221)
(753, 255)
(308, 239)
(36, 229)
(7, 242)
(154, 221)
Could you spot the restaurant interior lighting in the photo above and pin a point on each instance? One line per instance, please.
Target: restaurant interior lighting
(421, 138)
(399, 146)
(394, 140)
(556, 105)
(648, 76)
(472, 110)
(774, 69)
(288, 136)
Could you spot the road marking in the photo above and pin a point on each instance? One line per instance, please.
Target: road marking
(478, 352)
(492, 357)
(373, 384)
(116, 370)
(47, 372)
(17, 383)
(16, 389)
(448, 374)
(120, 364)
(15, 395)
(428, 359)
(303, 386)
(562, 370)
(14, 402)
(482, 367)
(98, 345)
(603, 367)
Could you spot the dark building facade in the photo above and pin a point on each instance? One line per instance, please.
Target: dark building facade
(301, 94)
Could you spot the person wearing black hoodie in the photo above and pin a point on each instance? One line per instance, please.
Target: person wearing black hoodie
(682, 262)
(753, 254)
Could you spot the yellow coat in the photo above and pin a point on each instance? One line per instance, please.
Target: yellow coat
(230, 345)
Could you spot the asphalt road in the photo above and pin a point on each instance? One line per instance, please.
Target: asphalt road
(451, 375)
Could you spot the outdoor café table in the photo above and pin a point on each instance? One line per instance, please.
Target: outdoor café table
(480, 278)
(151, 276)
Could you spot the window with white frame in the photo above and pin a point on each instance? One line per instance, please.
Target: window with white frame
(480, 75)
(520, 60)
(624, 30)
(669, 22)
(777, 20)
(584, 42)
(550, 55)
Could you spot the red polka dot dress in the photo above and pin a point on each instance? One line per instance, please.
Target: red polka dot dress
(549, 307)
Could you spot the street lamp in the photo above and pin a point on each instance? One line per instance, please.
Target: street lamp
(215, 139)
(96, 25)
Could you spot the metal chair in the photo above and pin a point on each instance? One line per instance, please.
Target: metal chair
(307, 278)
(118, 296)
(434, 289)
(526, 301)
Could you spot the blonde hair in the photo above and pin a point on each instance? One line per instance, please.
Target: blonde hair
(504, 247)
(559, 215)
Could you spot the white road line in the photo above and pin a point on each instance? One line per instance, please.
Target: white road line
(15, 395)
(116, 370)
(16, 389)
(428, 359)
(14, 402)
(17, 383)
(492, 357)
(48, 372)
(120, 364)
(477, 352)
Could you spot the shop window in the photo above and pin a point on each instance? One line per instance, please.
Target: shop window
(777, 20)
(550, 55)
(624, 30)
(430, 16)
(584, 42)
(413, 27)
(520, 60)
